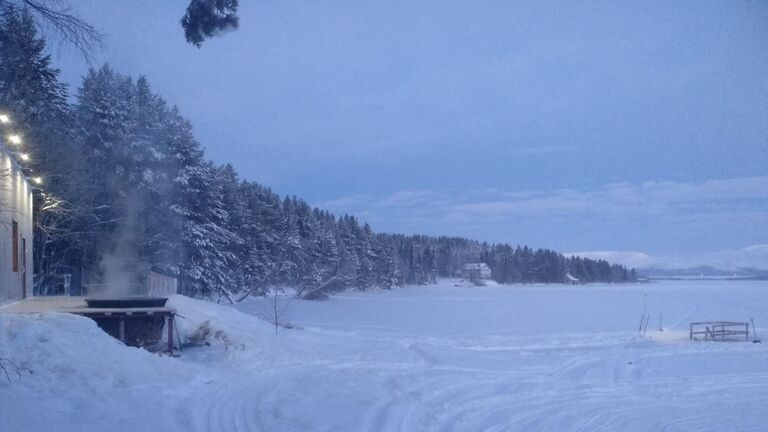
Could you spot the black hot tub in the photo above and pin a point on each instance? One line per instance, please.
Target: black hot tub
(125, 302)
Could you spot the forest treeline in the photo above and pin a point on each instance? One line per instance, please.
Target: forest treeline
(127, 189)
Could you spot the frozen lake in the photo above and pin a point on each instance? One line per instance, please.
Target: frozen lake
(536, 357)
(529, 310)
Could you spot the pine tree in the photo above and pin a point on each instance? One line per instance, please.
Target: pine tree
(206, 256)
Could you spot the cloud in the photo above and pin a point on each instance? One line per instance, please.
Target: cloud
(651, 198)
(755, 256)
(349, 202)
(408, 198)
(631, 259)
(668, 218)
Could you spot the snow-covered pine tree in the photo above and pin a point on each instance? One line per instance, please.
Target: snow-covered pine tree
(386, 270)
(104, 117)
(126, 143)
(366, 257)
(348, 259)
(261, 236)
(233, 202)
(205, 254)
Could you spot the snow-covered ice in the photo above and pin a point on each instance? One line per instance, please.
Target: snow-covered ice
(435, 358)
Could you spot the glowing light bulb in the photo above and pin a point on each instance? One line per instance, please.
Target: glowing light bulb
(24, 156)
(14, 139)
(4, 118)
(37, 180)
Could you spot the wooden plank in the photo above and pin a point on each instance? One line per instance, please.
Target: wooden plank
(116, 315)
(170, 334)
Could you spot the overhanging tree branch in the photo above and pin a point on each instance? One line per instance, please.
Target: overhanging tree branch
(207, 18)
(60, 20)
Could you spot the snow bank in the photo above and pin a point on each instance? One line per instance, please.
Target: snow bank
(76, 377)
(237, 327)
(220, 327)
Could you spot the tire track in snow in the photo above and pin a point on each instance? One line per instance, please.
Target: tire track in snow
(445, 399)
(631, 408)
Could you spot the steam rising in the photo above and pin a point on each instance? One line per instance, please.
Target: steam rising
(119, 267)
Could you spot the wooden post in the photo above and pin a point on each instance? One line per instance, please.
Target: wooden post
(121, 329)
(170, 334)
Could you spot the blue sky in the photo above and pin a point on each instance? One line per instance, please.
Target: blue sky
(597, 126)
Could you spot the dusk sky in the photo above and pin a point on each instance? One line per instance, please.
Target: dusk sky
(611, 126)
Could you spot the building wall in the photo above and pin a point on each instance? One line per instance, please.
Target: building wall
(15, 205)
(476, 271)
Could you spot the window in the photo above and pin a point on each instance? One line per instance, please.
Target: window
(15, 252)
(24, 267)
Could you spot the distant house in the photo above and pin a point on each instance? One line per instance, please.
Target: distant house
(15, 230)
(476, 272)
(570, 280)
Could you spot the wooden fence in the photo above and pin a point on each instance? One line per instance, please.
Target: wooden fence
(159, 285)
(720, 330)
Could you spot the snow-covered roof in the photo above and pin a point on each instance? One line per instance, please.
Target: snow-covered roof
(571, 278)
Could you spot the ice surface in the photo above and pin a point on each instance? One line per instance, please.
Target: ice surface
(436, 358)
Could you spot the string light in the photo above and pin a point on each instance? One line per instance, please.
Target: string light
(14, 139)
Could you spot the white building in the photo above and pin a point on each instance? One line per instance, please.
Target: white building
(15, 230)
(570, 279)
(476, 272)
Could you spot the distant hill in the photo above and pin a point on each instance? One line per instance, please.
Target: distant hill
(703, 272)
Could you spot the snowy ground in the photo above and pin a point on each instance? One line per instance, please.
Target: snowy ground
(440, 358)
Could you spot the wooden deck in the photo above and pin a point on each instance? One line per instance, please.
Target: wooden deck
(111, 320)
(75, 305)
(45, 304)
